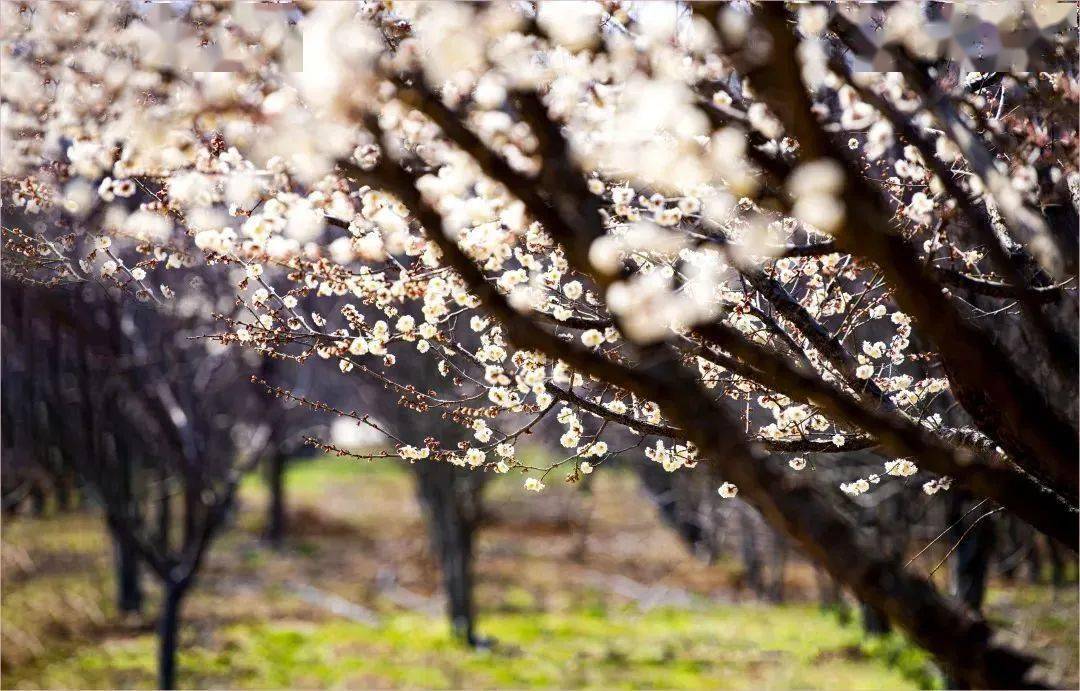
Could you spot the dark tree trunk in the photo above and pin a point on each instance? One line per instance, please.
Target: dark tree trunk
(1057, 563)
(1034, 560)
(168, 635)
(660, 484)
(580, 550)
(37, 501)
(125, 513)
(829, 593)
(457, 575)
(449, 498)
(780, 555)
(874, 622)
(275, 518)
(129, 596)
(63, 492)
(971, 562)
(1063, 221)
(164, 516)
(751, 553)
(831, 596)
(974, 540)
(1017, 548)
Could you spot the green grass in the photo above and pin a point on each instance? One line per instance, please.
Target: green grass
(555, 620)
(730, 647)
(307, 475)
(1043, 620)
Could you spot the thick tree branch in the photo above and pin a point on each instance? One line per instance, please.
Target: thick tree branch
(1060, 346)
(1010, 407)
(556, 153)
(792, 505)
(1018, 491)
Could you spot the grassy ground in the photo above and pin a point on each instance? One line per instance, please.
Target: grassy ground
(577, 589)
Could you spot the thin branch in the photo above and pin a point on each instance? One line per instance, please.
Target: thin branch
(970, 528)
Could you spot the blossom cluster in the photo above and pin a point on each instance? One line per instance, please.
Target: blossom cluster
(272, 177)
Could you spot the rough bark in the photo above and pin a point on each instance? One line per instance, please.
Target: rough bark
(571, 216)
(1000, 396)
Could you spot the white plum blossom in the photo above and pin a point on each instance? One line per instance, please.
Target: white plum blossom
(394, 210)
(534, 485)
(592, 338)
(901, 467)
